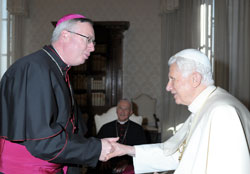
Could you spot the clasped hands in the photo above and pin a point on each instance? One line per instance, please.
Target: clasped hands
(110, 149)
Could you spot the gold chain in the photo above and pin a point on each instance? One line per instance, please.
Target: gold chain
(182, 149)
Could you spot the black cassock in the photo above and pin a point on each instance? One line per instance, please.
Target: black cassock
(37, 111)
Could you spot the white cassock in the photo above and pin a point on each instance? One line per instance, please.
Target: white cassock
(216, 141)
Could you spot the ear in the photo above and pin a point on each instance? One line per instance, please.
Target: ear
(65, 34)
(196, 79)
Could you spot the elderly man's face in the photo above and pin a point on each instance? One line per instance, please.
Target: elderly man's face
(123, 110)
(179, 86)
(77, 49)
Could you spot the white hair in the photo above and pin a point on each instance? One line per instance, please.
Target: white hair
(187, 66)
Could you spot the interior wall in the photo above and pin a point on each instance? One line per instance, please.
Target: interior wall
(142, 42)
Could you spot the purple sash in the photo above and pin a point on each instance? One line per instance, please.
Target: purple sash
(15, 158)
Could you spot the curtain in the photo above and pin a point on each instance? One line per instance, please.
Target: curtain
(180, 30)
(18, 9)
(232, 49)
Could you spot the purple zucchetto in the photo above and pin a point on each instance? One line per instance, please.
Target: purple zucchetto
(68, 17)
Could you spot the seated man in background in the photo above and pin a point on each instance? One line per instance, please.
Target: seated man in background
(129, 133)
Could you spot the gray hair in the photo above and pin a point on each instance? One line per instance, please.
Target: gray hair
(127, 100)
(187, 66)
(67, 25)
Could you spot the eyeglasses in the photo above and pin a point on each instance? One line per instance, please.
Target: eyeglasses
(90, 40)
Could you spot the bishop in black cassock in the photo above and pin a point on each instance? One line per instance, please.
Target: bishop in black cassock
(38, 114)
(129, 133)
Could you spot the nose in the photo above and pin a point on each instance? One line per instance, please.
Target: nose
(169, 86)
(91, 46)
(122, 112)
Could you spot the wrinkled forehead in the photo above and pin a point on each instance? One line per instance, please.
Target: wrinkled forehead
(123, 105)
(175, 72)
(173, 68)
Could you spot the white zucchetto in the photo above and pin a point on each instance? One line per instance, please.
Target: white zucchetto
(195, 55)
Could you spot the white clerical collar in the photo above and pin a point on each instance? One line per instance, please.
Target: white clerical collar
(122, 122)
(200, 99)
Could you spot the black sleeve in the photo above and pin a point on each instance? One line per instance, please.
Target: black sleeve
(107, 131)
(103, 132)
(136, 135)
(67, 148)
(142, 138)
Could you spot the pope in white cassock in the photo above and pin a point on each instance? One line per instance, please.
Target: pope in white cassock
(214, 139)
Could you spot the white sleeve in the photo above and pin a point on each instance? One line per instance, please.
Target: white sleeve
(150, 158)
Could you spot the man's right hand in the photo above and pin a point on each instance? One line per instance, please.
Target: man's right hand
(120, 150)
(107, 148)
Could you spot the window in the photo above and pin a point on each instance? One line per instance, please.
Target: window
(4, 37)
(207, 29)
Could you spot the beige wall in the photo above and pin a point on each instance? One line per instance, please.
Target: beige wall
(142, 54)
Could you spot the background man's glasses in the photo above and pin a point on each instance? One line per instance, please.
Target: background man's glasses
(90, 40)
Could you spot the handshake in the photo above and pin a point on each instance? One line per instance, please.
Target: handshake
(110, 149)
